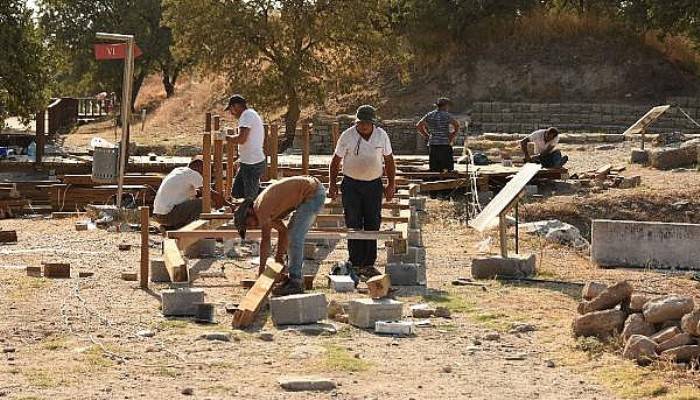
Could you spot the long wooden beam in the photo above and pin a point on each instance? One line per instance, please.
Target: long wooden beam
(228, 234)
(218, 156)
(174, 263)
(256, 296)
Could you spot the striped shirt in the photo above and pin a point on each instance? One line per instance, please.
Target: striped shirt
(438, 122)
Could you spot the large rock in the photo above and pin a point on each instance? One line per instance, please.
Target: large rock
(306, 383)
(665, 334)
(636, 325)
(667, 308)
(608, 298)
(669, 157)
(638, 300)
(682, 353)
(640, 348)
(681, 339)
(515, 266)
(599, 323)
(592, 289)
(689, 322)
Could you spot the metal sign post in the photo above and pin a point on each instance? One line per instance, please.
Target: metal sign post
(126, 102)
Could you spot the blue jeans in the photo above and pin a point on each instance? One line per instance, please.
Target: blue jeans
(300, 223)
(246, 184)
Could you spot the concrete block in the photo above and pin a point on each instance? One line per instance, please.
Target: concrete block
(415, 255)
(415, 238)
(398, 328)
(516, 266)
(417, 203)
(34, 271)
(404, 274)
(181, 302)
(391, 257)
(639, 156)
(203, 248)
(364, 313)
(341, 283)
(645, 244)
(298, 309)
(414, 221)
(158, 272)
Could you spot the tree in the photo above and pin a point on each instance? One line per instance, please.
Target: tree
(284, 52)
(73, 24)
(23, 72)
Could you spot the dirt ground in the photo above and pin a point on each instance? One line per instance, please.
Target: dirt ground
(77, 338)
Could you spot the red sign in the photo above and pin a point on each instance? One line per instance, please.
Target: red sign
(114, 51)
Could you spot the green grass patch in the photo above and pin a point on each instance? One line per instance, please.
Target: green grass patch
(26, 286)
(167, 372)
(339, 359)
(95, 357)
(42, 378)
(684, 393)
(631, 382)
(55, 343)
(454, 303)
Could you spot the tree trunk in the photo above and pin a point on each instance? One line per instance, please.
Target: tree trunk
(138, 82)
(169, 80)
(291, 119)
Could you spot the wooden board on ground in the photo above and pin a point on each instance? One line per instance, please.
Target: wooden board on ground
(504, 198)
(174, 263)
(256, 296)
(8, 236)
(648, 119)
(227, 234)
(443, 185)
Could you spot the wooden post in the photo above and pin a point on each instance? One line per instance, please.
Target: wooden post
(206, 169)
(502, 229)
(335, 135)
(305, 128)
(40, 135)
(274, 129)
(144, 248)
(266, 151)
(218, 156)
(230, 159)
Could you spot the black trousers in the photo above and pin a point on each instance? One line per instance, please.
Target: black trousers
(441, 158)
(362, 205)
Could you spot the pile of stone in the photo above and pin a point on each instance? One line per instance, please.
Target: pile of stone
(652, 327)
(607, 177)
(406, 260)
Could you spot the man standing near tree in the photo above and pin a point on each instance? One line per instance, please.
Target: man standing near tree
(251, 155)
(434, 127)
(364, 150)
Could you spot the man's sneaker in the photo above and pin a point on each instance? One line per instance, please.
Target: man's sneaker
(367, 272)
(291, 286)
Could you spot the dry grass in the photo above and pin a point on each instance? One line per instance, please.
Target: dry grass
(677, 49)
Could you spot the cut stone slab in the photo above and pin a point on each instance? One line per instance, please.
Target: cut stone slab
(422, 311)
(668, 308)
(397, 328)
(415, 255)
(364, 313)
(341, 283)
(402, 274)
(636, 325)
(306, 383)
(158, 272)
(298, 309)
(640, 348)
(608, 298)
(592, 289)
(645, 244)
(682, 339)
(181, 301)
(689, 322)
(599, 323)
(310, 329)
(682, 353)
(516, 266)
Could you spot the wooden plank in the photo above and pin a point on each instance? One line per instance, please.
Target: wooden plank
(144, 247)
(218, 156)
(174, 263)
(206, 172)
(8, 236)
(443, 185)
(185, 243)
(505, 197)
(256, 296)
(502, 233)
(649, 118)
(255, 234)
(231, 155)
(274, 143)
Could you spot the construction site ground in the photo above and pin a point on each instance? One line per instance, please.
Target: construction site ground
(77, 338)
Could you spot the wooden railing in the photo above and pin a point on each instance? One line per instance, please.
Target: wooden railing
(91, 108)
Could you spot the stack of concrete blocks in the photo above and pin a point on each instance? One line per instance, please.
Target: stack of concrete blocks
(409, 268)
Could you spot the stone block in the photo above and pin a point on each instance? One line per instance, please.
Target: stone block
(392, 257)
(593, 289)
(341, 283)
(599, 323)
(397, 328)
(57, 270)
(181, 301)
(379, 286)
(415, 255)
(669, 158)
(608, 298)
(203, 248)
(640, 348)
(34, 271)
(298, 309)
(619, 243)
(639, 156)
(415, 238)
(516, 266)
(668, 308)
(405, 274)
(364, 313)
(417, 203)
(158, 272)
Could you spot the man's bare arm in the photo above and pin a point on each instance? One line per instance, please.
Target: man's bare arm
(333, 170)
(265, 245)
(282, 240)
(422, 127)
(390, 168)
(523, 146)
(242, 136)
(455, 131)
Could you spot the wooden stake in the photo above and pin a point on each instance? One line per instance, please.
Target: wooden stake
(218, 156)
(266, 151)
(305, 128)
(230, 156)
(206, 172)
(273, 151)
(335, 135)
(502, 229)
(144, 247)
(207, 122)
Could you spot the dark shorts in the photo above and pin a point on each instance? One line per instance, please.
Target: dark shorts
(181, 215)
(552, 160)
(441, 158)
(246, 184)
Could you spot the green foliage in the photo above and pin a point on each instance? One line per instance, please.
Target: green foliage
(23, 72)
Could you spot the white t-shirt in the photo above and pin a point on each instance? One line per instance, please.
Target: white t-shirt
(537, 137)
(363, 159)
(179, 186)
(251, 152)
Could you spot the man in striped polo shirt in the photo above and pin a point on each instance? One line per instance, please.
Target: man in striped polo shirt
(435, 129)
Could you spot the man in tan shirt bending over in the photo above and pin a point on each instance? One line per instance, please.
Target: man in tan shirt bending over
(303, 195)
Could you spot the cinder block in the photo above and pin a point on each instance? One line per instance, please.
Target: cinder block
(203, 248)
(181, 302)
(364, 313)
(417, 203)
(415, 255)
(516, 266)
(298, 309)
(415, 238)
(391, 257)
(398, 328)
(341, 283)
(158, 272)
(414, 221)
(405, 274)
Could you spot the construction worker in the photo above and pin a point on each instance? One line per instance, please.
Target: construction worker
(251, 155)
(434, 127)
(303, 195)
(176, 203)
(364, 150)
(546, 152)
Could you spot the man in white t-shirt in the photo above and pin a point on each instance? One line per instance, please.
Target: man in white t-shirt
(546, 152)
(364, 150)
(251, 155)
(176, 202)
